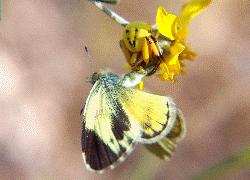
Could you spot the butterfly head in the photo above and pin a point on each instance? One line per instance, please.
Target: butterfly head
(103, 77)
(94, 77)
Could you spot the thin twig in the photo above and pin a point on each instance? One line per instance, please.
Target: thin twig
(107, 1)
(111, 13)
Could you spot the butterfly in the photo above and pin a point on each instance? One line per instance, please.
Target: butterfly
(118, 116)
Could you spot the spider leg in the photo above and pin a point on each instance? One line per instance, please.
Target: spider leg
(133, 59)
(150, 45)
(154, 45)
(126, 52)
(156, 56)
(157, 34)
(145, 51)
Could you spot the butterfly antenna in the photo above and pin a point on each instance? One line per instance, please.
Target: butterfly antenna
(86, 49)
(120, 20)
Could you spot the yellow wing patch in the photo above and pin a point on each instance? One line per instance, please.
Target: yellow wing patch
(154, 114)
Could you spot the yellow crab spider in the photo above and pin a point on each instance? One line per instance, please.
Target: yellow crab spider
(139, 43)
(142, 49)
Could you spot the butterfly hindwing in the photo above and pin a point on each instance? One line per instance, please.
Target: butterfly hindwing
(166, 146)
(151, 116)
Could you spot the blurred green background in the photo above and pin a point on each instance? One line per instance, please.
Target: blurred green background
(43, 86)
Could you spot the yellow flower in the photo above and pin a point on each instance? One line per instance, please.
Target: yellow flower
(175, 28)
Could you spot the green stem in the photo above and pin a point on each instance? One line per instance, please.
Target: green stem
(1, 9)
(232, 163)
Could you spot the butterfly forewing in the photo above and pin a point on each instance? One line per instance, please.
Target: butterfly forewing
(104, 142)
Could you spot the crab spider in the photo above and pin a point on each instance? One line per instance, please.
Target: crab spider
(142, 49)
(139, 43)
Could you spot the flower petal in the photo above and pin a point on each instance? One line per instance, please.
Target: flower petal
(189, 10)
(172, 61)
(165, 23)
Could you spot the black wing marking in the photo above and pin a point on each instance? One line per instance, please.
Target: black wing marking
(97, 155)
(178, 131)
(165, 147)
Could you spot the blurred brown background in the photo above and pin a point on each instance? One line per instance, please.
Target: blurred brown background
(43, 71)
